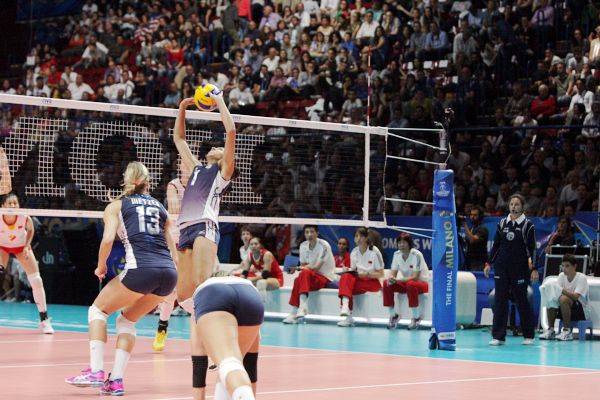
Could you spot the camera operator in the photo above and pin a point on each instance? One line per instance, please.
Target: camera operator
(476, 239)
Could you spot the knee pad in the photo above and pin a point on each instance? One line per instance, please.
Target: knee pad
(221, 392)
(125, 326)
(188, 305)
(250, 364)
(228, 366)
(94, 313)
(35, 280)
(199, 367)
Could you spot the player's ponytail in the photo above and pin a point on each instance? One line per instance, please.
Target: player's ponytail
(135, 179)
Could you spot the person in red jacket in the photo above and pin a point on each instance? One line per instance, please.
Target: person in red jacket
(342, 259)
(262, 268)
(544, 105)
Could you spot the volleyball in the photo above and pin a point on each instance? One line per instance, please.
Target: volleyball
(202, 98)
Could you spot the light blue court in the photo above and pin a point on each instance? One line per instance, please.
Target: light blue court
(472, 344)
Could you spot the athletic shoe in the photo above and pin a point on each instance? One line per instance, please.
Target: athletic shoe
(565, 335)
(291, 319)
(548, 335)
(46, 327)
(87, 378)
(393, 322)
(159, 341)
(346, 322)
(345, 311)
(414, 323)
(113, 388)
(496, 342)
(528, 341)
(180, 312)
(301, 313)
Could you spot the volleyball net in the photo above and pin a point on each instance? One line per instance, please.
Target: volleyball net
(66, 158)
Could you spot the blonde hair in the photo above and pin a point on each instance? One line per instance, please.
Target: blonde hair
(135, 179)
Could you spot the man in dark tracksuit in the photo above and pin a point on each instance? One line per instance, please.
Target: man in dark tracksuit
(513, 257)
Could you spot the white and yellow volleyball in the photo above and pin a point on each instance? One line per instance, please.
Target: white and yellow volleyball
(202, 98)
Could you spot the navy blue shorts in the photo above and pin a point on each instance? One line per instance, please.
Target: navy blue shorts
(240, 300)
(145, 280)
(187, 235)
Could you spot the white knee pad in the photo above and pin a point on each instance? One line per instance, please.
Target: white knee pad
(228, 366)
(221, 392)
(94, 313)
(188, 305)
(125, 326)
(35, 280)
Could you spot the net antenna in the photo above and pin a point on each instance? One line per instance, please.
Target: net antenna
(439, 161)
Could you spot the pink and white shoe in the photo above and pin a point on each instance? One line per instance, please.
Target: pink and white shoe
(113, 387)
(87, 378)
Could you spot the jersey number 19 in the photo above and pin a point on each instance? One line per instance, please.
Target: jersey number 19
(152, 226)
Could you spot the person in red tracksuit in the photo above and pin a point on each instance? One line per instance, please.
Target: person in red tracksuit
(366, 267)
(316, 272)
(262, 268)
(409, 275)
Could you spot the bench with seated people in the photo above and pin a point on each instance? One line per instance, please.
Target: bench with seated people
(572, 298)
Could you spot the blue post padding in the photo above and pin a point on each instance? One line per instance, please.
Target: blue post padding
(444, 262)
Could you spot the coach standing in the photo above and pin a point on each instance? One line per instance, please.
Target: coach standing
(513, 257)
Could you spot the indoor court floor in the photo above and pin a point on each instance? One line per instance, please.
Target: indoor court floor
(309, 361)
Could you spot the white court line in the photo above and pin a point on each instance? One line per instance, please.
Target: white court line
(154, 360)
(447, 381)
(393, 355)
(50, 340)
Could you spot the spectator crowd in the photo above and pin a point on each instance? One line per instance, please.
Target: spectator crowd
(521, 76)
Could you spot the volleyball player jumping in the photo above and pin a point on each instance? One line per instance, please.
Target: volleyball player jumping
(228, 311)
(143, 226)
(16, 234)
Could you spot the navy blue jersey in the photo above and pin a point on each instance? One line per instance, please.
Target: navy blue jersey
(514, 243)
(142, 231)
(202, 196)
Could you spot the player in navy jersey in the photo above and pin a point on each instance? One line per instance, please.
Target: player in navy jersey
(228, 313)
(142, 224)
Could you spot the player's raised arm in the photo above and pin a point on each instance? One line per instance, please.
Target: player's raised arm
(179, 135)
(228, 161)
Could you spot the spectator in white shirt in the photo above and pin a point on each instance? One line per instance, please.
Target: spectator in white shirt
(111, 89)
(89, 7)
(568, 193)
(583, 96)
(366, 267)
(241, 99)
(409, 275)
(6, 88)
(78, 88)
(272, 59)
(329, 7)
(40, 88)
(565, 299)
(69, 76)
(353, 103)
(367, 28)
(316, 272)
(592, 119)
(94, 54)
